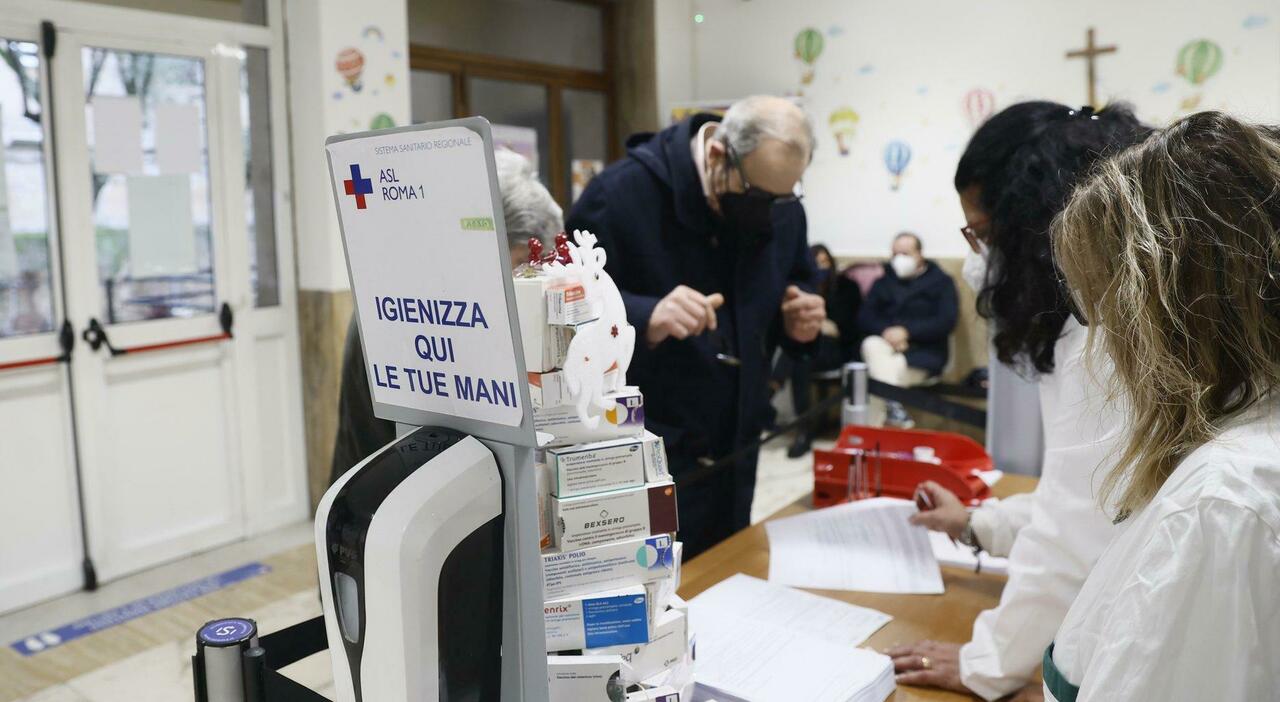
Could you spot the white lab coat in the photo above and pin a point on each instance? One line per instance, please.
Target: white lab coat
(1183, 605)
(1060, 530)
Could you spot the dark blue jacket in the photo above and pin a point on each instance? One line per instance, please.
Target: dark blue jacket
(652, 219)
(925, 305)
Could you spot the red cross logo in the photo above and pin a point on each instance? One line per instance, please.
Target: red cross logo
(355, 185)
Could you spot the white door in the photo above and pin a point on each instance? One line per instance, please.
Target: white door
(178, 283)
(40, 551)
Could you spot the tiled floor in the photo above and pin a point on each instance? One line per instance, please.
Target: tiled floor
(163, 672)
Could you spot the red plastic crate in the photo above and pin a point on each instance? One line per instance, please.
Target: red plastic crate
(960, 460)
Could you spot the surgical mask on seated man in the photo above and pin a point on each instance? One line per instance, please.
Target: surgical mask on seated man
(905, 266)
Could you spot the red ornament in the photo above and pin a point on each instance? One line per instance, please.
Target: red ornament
(614, 331)
(535, 249)
(562, 248)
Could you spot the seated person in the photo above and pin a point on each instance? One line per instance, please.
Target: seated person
(834, 346)
(908, 317)
(530, 212)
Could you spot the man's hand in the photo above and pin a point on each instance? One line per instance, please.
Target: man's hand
(948, 514)
(683, 313)
(928, 664)
(897, 338)
(1031, 693)
(802, 314)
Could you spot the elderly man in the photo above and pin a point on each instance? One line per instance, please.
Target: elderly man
(529, 212)
(908, 317)
(706, 239)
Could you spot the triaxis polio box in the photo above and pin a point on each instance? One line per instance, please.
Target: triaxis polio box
(602, 466)
(592, 520)
(622, 564)
(611, 618)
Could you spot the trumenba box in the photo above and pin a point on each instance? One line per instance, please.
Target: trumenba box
(585, 678)
(623, 564)
(592, 520)
(607, 465)
(612, 618)
(623, 418)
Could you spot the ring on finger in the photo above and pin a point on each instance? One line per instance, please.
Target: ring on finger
(925, 663)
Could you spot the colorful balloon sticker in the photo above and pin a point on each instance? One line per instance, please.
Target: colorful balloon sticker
(350, 64)
(1199, 60)
(897, 155)
(843, 122)
(808, 45)
(979, 103)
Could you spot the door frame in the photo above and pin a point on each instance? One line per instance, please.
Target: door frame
(129, 29)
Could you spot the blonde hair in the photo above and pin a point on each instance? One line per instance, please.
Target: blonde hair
(1172, 253)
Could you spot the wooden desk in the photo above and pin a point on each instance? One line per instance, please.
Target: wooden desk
(946, 617)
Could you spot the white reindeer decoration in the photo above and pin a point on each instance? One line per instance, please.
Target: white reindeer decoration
(600, 351)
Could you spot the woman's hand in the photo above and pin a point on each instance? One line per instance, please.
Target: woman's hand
(948, 515)
(929, 664)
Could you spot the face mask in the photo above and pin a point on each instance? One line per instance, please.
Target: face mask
(749, 217)
(975, 267)
(905, 266)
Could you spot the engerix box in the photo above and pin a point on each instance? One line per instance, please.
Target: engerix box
(592, 520)
(610, 618)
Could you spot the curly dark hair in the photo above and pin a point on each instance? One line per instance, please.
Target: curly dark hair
(1026, 160)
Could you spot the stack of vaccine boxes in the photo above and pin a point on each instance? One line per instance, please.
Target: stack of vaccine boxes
(615, 629)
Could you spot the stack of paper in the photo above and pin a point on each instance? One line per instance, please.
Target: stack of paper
(865, 545)
(763, 642)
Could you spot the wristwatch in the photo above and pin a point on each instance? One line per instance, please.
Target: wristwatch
(968, 537)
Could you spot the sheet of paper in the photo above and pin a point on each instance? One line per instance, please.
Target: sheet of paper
(178, 138)
(162, 237)
(117, 135)
(960, 556)
(865, 545)
(991, 477)
(764, 642)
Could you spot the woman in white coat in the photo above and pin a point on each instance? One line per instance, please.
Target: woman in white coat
(1173, 253)
(1015, 176)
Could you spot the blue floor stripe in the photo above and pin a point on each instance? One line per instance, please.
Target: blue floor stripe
(45, 640)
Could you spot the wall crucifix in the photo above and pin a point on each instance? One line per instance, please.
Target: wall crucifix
(1090, 53)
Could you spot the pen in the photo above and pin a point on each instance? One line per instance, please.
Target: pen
(925, 504)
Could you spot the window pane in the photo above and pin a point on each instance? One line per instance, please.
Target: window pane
(513, 104)
(150, 184)
(430, 96)
(259, 189)
(250, 11)
(586, 136)
(26, 304)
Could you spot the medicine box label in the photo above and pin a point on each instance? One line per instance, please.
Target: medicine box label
(599, 467)
(623, 564)
(616, 618)
(623, 417)
(592, 520)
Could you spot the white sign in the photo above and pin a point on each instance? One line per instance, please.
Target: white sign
(427, 272)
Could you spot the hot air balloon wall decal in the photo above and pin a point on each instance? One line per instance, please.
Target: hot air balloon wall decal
(843, 122)
(350, 65)
(978, 105)
(897, 155)
(808, 46)
(1198, 61)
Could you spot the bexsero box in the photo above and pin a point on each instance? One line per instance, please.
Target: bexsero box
(585, 678)
(592, 520)
(545, 347)
(607, 465)
(623, 418)
(622, 564)
(612, 618)
(667, 646)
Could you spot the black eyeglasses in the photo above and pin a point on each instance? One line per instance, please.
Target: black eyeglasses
(758, 193)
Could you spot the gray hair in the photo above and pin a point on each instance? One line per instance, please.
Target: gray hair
(528, 208)
(753, 119)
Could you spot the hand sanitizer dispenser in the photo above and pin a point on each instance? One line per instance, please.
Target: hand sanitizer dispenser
(409, 545)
